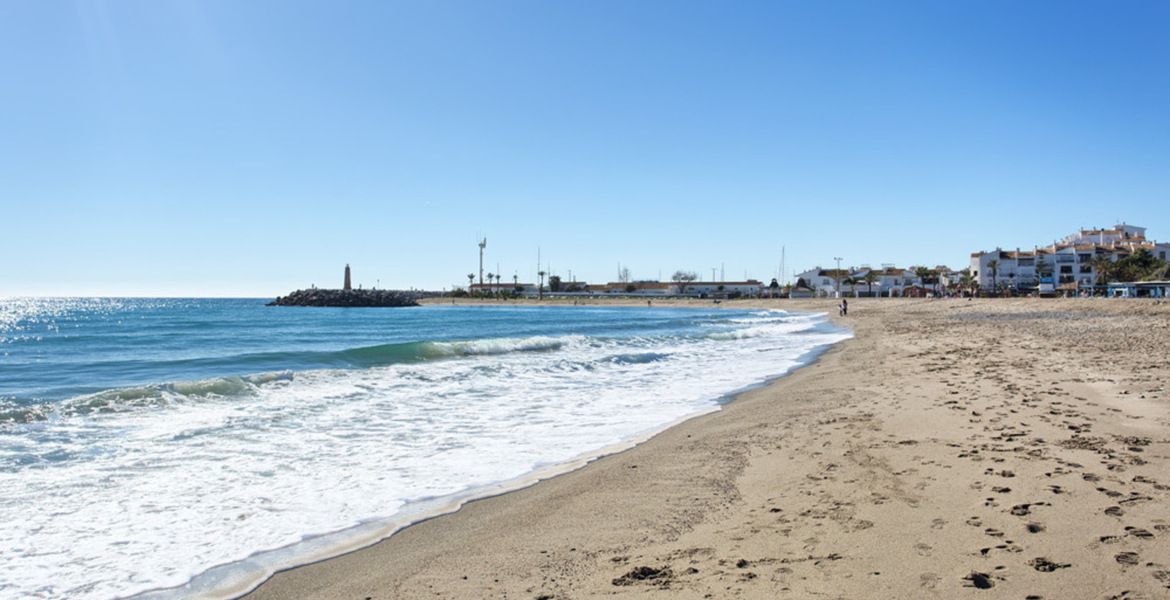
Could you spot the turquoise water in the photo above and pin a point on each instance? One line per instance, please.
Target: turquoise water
(146, 442)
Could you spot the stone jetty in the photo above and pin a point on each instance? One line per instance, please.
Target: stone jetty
(351, 298)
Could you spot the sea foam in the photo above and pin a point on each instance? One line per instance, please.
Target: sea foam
(150, 487)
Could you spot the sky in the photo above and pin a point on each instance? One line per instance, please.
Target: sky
(249, 148)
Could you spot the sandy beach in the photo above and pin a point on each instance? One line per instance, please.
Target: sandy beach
(951, 449)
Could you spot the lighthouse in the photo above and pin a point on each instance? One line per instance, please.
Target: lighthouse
(348, 284)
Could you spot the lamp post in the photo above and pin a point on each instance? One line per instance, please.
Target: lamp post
(838, 273)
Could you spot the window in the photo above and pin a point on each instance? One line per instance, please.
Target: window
(1064, 270)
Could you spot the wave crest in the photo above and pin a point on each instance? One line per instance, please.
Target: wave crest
(147, 396)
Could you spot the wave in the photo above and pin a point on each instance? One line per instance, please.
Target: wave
(146, 396)
(180, 392)
(390, 354)
(639, 358)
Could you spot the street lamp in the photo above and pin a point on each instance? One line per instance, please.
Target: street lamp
(838, 259)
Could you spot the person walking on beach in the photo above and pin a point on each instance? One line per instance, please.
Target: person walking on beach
(844, 307)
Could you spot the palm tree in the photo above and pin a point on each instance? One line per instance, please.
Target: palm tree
(849, 281)
(994, 266)
(497, 280)
(470, 281)
(869, 280)
(540, 289)
(922, 273)
(966, 281)
(490, 275)
(1103, 267)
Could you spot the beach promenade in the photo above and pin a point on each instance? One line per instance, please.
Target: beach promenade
(951, 449)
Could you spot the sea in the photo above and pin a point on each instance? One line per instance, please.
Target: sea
(188, 448)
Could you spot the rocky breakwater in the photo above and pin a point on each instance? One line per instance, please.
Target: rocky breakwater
(350, 298)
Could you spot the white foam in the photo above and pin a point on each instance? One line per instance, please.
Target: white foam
(156, 497)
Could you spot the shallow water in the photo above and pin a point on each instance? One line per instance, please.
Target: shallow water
(143, 442)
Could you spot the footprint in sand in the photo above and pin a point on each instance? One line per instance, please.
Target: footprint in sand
(1128, 559)
(1139, 533)
(1044, 565)
(979, 580)
(1020, 510)
(1008, 547)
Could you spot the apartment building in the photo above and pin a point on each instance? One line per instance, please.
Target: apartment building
(1066, 264)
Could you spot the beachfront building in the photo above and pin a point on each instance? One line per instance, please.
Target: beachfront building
(801, 289)
(887, 282)
(823, 282)
(506, 287)
(639, 288)
(719, 289)
(1068, 265)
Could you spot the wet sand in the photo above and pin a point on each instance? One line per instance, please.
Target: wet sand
(952, 449)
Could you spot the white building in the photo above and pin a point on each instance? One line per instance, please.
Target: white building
(1063, 265)
(503, 286)
(889, 281)
(640, 288)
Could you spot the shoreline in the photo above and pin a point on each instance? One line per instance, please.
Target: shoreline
(822, 481)
(239, 578)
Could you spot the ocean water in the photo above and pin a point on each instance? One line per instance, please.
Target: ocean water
(188, 448)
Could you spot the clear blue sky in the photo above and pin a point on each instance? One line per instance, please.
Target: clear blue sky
(249, 148)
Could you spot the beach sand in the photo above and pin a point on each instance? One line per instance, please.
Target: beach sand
(951, 449)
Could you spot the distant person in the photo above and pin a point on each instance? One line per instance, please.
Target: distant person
(844, 307)
(840, 310)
